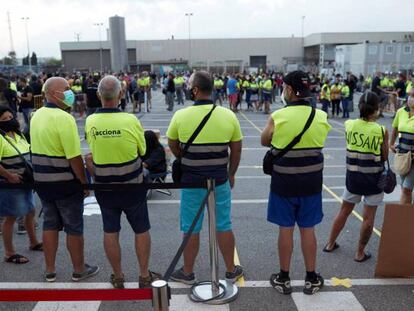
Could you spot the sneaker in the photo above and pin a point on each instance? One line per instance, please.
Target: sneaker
(50, 277)
(237, 273)
(147, 281)
(312, 287)
(21, 229)
(88, 272)
(283, 286)
(180, 276)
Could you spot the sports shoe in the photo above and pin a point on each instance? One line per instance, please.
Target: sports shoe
(88, 272)
(50, 277)
(21, 229)
(180, 276)
(237, 273)
(313, 286)
(147, 281)
(283, 286)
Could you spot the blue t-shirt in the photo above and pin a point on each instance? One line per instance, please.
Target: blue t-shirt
(232, 86)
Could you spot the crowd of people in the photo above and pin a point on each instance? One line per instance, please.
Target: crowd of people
(119, 153)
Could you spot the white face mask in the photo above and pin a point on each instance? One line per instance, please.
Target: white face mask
(410, 102)
(282, 97)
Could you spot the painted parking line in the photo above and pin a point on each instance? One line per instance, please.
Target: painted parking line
(355, 213)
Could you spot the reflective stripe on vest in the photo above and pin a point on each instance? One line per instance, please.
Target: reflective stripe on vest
(129, 172)
(299, 161)
(406, 142)
(209, 160)
(15, 163)
(54, 169)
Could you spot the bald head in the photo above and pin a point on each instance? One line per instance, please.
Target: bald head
(54, 88)
(109, 91)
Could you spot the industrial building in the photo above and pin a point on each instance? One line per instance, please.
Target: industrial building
(313, 52)
(367, 57)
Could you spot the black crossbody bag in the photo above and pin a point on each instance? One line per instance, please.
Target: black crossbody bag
(271, 154)
(28, 171)
(387, 181)
(176, 166)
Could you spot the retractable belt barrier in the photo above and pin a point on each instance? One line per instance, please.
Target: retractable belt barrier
(104, 187)
(160, 294)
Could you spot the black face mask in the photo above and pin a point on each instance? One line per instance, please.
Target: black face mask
(192, 95)
(11, 125)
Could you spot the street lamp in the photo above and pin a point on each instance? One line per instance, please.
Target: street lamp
(189, 37)
(303, 27)
(26, 19)
(99, 25)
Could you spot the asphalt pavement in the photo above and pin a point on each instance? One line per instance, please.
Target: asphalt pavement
(255, 238)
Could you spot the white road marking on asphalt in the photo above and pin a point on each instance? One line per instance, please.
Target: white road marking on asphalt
(183, 303)
(327, 301)
(337, 123)
(259, 284)
(67, 306)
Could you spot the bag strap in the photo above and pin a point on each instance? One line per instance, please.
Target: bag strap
(297, 139)
(383, 137)
(197, 130)
(15, 148)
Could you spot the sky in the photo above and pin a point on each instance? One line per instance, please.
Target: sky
(51, 22)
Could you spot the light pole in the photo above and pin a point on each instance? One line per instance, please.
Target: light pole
(99, 25)
(303, 38)
(189, 37)
(303, 27)
(26, 19)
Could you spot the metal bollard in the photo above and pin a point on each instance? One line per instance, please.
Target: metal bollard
(160, 295)
(215, 287)
(217, 291)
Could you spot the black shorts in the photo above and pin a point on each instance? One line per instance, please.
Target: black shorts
(136, 212)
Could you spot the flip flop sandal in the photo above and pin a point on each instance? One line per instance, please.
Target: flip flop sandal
(326, 250)
(365, 258)
(117, 283)
(16, 259)
(38, 247)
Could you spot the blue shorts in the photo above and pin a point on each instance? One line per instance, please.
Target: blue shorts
(190, 203)
(286, 211)
(64, 214)
(16, 202)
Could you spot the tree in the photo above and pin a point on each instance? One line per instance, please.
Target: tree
(12, 56)
(7, 61)
(53, 62)
(33, 59)
(26, 60)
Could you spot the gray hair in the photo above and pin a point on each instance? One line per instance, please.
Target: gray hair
(109, 88)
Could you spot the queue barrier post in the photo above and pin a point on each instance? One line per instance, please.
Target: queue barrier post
(216, 291)
(160, 295)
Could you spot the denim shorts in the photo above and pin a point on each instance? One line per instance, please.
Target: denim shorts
(16, 202)
(191, 200)
(407, 181)
(370, 200)
(136, 212)
(266, 96)
(306, 211)
(66, 214)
